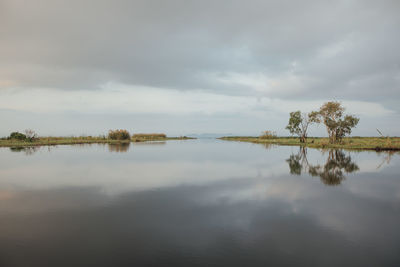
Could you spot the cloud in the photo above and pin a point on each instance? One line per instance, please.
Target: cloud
(228, 50)
(83, 44)
(122, 99)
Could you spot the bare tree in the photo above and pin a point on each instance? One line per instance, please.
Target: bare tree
(31, 134)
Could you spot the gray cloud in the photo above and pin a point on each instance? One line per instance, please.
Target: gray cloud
(290, 51)
(345, 46)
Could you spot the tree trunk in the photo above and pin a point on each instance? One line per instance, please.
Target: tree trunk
(303, 138)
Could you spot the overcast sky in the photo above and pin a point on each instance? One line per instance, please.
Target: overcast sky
(181, 66)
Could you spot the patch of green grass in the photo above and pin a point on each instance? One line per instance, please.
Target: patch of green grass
(353, 143)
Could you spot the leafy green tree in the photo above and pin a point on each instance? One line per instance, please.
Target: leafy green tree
(345, 125)
(29, 136)
(17, 136)
(299, 123)
(331, 114)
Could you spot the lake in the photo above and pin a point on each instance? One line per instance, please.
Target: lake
(198, 203)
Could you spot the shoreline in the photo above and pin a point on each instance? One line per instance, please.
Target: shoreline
(348, 143)
(53, 141)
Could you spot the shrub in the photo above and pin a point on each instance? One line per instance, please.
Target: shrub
(17, 136)
(268, 135)
(119, 135)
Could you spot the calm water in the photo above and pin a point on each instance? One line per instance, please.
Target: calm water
(198, 203)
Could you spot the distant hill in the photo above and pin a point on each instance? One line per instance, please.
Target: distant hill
(210, 135)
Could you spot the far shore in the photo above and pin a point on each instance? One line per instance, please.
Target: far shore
(349, 143)
(52, 141)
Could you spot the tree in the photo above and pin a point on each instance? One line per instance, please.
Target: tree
(331, 114)
(299, 123)
(17, 136)
(345, 126)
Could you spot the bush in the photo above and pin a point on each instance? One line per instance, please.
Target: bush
(119, 135)
(268, 135)
(17, 136)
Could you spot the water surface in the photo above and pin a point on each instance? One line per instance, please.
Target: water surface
(198, 203)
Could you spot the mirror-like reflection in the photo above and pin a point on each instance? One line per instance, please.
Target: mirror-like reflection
(387, 158)
(333, 172)
(27, 150)
(198, 203)
(119, 147)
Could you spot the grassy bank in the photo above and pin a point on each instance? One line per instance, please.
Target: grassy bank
(51, 141)
(353, 143)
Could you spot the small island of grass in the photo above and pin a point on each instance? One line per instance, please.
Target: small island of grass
(30, 138)
(338, 126)
(349, 143)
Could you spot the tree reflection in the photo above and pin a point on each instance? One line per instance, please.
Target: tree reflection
(387, 158)
(27, 150)
(333, 172)
(267, 145)
(120, 147)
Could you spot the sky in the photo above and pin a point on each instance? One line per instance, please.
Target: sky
(82, 67)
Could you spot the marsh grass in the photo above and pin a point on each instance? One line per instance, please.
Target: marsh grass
(354, 143)
(141, 137)
(58, 141)
(73, 140)
(149, 136)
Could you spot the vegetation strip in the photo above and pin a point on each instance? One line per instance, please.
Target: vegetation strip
(75, 141)
(30, 139)
(349, 143)
(337, 124)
